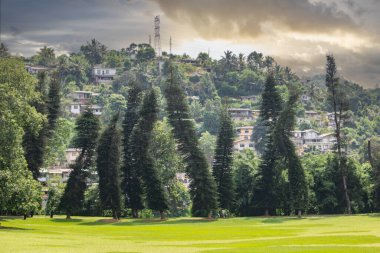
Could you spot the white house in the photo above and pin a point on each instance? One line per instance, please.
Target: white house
(75, 108)
(240, 145)
(82, 97)
(242, 114)
(34, 70)
(328, 141)
(311, 139)
(96, 109)
(103, 75)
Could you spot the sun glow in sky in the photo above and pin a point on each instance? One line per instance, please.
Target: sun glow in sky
(297, 33)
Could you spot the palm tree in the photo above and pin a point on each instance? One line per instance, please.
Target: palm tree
(3, 50)
(46, 56)
(255, 60)
(241, 61)
(229, 61)
(94, 51)
(75, 67)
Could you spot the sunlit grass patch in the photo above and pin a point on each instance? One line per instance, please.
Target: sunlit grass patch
(359, 233)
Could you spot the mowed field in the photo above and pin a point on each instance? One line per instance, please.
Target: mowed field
(359, 233)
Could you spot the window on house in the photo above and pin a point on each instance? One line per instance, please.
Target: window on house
(246, 137)
(246, 131)
(251, 145)
(242, 145)
(98, 71)
(107, 72)
(75, 107)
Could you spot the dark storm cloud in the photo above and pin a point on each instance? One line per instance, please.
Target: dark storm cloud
(66, 24)
(226, 18)
(360, 67)
(317, 24)
(296, 32)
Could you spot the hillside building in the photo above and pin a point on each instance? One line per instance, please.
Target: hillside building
(103, 75)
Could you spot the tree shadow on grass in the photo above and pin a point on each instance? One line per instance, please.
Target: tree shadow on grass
(13, 228)
(190, 221)
(64, 220)
(139, 222)
(277, 220)
(100, 222)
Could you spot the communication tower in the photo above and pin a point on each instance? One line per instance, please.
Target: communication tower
(157, 39)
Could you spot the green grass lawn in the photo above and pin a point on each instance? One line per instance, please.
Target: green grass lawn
(359, 233)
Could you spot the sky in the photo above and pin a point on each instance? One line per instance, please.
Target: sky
(297, 33)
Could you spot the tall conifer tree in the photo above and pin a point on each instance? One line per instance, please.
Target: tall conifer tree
(107, 164)
(287, 154)
(266, 195)
(35, 143)
(53, 104)
(202, 185)
(49, 105)
(87, 127)
(142, 161)
(131, 183)
(222, 166)
(270, 108)
(339, 103)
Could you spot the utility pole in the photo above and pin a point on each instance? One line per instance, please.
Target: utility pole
(170, 42)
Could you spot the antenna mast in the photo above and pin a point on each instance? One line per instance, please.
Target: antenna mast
(157, 39)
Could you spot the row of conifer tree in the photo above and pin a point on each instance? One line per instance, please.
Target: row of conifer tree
(138, 181)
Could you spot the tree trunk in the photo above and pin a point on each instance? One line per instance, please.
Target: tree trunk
(51, 215)
(209, 216)
(370, 154)
(114, 215)
(162, 214)
(134, 213)
(68, 216)
(31, 214)
(266, 212)
(339, 145)
(348, 202)
(299, 214)
(25, 216)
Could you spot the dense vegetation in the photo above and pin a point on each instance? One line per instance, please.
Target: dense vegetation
(179, 135)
